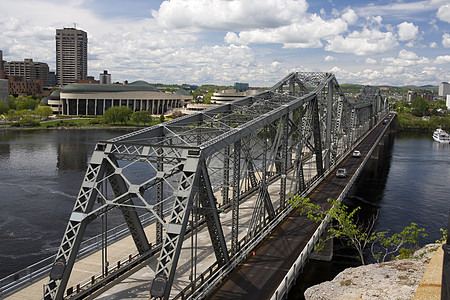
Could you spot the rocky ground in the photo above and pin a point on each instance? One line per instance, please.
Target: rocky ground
(397, 279)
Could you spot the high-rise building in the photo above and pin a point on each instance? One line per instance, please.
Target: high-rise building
(1, 60)
(29, 69)
(444, 89)
(71, 55)
(105, 78)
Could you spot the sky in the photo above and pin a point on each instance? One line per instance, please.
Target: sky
(226, 41)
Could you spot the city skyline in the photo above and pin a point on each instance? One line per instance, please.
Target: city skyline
(222, 42)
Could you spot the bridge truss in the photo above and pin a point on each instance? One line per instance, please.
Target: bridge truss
(293, 132)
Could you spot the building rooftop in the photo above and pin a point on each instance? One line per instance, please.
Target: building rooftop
(86, 87)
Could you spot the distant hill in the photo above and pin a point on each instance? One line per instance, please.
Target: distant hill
(354, 88)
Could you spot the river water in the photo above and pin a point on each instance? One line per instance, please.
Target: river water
(42, 170)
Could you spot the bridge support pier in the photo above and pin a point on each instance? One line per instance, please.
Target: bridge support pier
(326, 254)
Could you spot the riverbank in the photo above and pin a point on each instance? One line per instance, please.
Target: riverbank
(413, 278)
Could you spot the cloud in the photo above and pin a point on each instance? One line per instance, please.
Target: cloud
(407, 31)
(446, 40)
(433, 45)
(405, 54)
(443, 13)
(306, 34)
(370, 61)
(350, 16)
(442, 59)
(405, 58)
(330, 58)
(365, 42)
(228, 15)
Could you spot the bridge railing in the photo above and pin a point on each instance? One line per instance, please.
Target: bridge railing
(42, 268)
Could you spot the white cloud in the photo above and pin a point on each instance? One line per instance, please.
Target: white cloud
(228, 15)
(366, 42)
(393, 70)
(407, 31)
(405, 58)
(405, 54)
(306, 34)
(370, 61)
(330, 58)
(443, 13)
(433, 45)
(442, 59)
(350, 16)
(446, 40)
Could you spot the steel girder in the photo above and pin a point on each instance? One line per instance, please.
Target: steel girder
(289, 134)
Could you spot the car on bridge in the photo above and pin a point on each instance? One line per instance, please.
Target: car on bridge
(356, 153)
(341, 172)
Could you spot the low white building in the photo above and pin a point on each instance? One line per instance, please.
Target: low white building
(95, 99)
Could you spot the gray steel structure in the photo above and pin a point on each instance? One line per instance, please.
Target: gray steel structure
(302, 121)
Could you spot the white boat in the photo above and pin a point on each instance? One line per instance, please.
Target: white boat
(441, 136)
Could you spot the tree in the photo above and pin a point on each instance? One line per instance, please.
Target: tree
(161, 118)
(26, 103)
(117, 114)
(142, 116)
(360, 235)
(4, 107)
(420, 106)
(43, 112)
(124, 114)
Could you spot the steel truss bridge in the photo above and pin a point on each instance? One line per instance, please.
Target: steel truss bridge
(197, 166)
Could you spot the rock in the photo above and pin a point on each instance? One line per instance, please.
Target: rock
(396, 279)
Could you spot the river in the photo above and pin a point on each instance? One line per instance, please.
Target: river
(42, 170)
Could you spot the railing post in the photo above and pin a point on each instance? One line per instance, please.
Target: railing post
(445, 286)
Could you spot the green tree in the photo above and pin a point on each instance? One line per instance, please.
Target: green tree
(360, 236)
(12, 102)
(43, 112)
(420, 106)
(4, 107)
(124, 114)
(142, 116)
(26, 103)
(117, 114)
(111, 115)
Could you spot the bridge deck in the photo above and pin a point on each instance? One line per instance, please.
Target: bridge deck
(259, 275)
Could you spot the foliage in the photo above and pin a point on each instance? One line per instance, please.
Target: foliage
(29, 121)
(161, 118)
(117, 114)
(420, 107)
(26, 103)
(444, 236)
(385, 245)
(360, 235)
(43, 112)
(142, 116)
(4, 107)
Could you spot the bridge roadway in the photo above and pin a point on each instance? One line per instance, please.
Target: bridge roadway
(255, 278)
(260, 274)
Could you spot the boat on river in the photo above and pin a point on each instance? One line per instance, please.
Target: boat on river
(440, 136)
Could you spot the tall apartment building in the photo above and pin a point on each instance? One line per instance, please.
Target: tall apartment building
(71, 55)
(28, 69)
(444, 89)
(1, 60)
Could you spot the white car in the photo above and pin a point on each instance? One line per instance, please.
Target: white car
(356, 153)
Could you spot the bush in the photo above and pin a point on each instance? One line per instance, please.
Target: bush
(30, 122)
